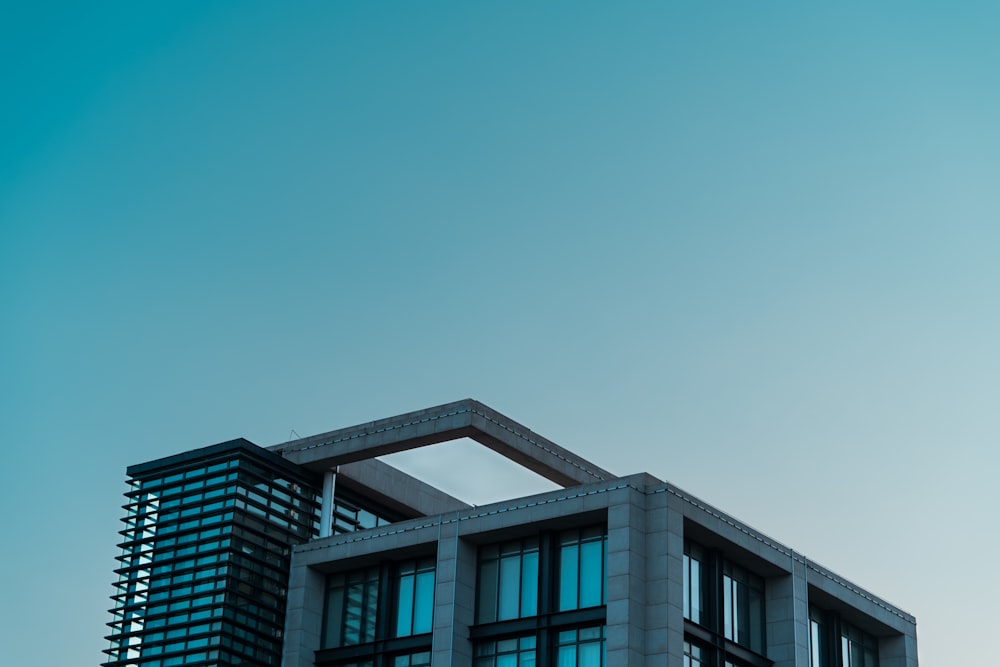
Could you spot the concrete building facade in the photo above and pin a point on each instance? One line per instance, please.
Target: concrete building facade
(334, 558)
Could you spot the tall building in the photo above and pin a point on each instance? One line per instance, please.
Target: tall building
(315, 553)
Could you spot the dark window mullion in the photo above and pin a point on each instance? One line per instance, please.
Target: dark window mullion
(548, 580)
(386, 601)
(547, 577)
(520, 579)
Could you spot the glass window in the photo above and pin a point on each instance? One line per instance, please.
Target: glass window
(508, 581)
(725, 599)
(581, 568)
(415, 597)
(694, 655)
(583, 647)
(512, 652)
(351, 608)
(693, 600)
(419, 659)
(351, 513)
(857, 648)
(815, 643)
(743, 607)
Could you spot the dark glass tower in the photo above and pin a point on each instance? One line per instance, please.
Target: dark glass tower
(205, 558)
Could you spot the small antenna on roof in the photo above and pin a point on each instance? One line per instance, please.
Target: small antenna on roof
(291, 433)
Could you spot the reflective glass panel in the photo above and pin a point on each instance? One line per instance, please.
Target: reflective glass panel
(423, 604)
(693, 601)
(694, 655)
(510, 588)
(351, 606)
(815, 643)
(858, 648)
(529, 583)
(511, 652)
(418, 659)
(581, 568)
(591, 573)
(569, 575)
(415, 597)
(743, 607)
(583, 647)
(508, 581)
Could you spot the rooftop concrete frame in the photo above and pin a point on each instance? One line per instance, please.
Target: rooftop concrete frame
(467, 418)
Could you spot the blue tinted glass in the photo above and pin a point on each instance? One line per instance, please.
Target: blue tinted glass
(692, 589)
(488, 591)
(590, 654)
(568, 578)
(510, 588)
(529, 584)
(567, 656)
(404, 608)
(423, 608)
(728, 607)
(591, 573)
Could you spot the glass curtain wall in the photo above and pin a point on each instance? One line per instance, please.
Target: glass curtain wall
(835, 643)
(385, 611)
(508, 581)
(205, 558)
(581, 568)
(415, 597)
(557, 579)
(723, 602)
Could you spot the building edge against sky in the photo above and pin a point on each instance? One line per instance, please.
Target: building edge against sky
(313, 552)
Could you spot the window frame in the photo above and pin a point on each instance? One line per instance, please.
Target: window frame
(712, 572)
(550, 620)
(525, 554)
(831, 639)
(386, 644)
(518, 646)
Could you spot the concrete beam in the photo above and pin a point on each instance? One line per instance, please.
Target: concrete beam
(462, 419)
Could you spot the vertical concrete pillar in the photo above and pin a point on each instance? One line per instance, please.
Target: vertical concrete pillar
(661, 572)
(787, 615)
(675, 582)
(303, 616)
(326, 517)
(626, 577)
(454, 600)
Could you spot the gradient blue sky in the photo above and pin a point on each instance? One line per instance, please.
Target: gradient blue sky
(751, 248)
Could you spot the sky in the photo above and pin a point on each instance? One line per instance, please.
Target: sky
(750, 248)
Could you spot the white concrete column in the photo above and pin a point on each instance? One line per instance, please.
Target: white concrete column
(626, 578)
(454, 599)
(303, 616)
(674, 609)
(788, 615)
(326, 518)
(664, 554)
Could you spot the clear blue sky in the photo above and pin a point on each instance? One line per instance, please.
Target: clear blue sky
(751, 248)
